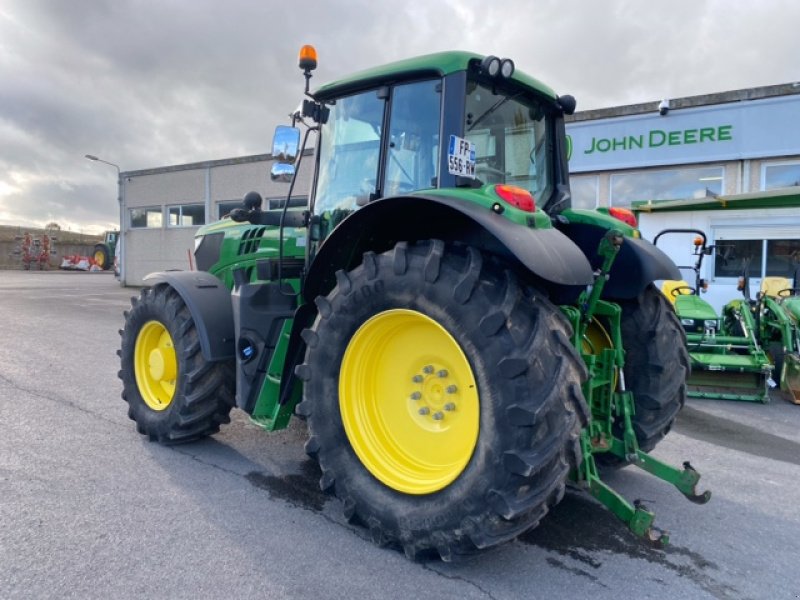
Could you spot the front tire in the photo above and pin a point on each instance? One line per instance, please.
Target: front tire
(173, 393)
(443, 399)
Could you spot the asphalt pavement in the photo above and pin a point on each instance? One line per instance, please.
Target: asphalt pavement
(90, 509)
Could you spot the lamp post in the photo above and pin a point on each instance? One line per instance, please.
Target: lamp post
(121, 237)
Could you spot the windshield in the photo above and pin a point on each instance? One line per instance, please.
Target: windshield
(512, 142)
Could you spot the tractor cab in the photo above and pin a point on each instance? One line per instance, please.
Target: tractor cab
(450, 121)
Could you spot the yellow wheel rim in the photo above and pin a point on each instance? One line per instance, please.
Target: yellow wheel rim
(155, 365)
(409, 402)
(99, 258)
(595, 340)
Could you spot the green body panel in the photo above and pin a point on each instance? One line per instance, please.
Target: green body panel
(243, 244)
(268, 413)
(694, 307)
(439, 64)
(599, 218)
(486, 197)
(792, 307)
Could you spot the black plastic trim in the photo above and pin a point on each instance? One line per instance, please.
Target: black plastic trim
(639, 262)
(209, 303)
(547, 253)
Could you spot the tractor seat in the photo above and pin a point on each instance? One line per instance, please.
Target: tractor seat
(770, 286)
(670, 285)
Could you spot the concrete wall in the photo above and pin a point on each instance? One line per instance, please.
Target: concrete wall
(11, 260)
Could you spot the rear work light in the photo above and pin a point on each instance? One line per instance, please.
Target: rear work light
(624, 215)
(516, 196)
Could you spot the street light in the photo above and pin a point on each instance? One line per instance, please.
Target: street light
(121, 237)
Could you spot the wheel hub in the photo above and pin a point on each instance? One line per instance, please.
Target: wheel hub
(434, 394)
(409, 401)
(155, 365)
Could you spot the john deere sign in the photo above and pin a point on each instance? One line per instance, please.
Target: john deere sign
(758, 128)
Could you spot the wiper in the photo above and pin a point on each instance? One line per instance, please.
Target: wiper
(493, 108)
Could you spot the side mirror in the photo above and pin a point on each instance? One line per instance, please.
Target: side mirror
(285, 143)
(281, 172)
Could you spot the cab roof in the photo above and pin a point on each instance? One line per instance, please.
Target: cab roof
(433, 65)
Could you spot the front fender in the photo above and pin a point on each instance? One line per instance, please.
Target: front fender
(209, 303)
(547, 253)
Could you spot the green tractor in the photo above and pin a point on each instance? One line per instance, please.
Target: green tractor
(775, 313)
(727, 360)
(460, 342)
(104, 252)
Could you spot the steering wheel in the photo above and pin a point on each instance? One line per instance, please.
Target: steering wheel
(789, 292)
(683, 290)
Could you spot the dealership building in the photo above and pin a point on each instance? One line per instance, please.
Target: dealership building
(725, 163)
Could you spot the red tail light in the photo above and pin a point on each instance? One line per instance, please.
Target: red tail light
(624, 215)
(516, 196)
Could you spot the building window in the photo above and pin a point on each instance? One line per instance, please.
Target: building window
(764, 258)
(584, 190)
(783, 258)
(150, 217)
(780, 175)
(729, 254)
(666, 184)
(225, 208)
(187, 215)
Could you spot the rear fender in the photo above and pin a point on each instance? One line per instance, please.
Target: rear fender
(638, 263)
(209, 303)
(547, 253)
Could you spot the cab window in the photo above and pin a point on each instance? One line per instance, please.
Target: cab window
(413, 150)
(512, 143)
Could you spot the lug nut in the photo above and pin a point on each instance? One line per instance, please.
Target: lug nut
(417, 379)
(427, 369)
(450, 406)
(438, 416)
(424, 410)
(451, 389)
(416, 396)
(442, 373)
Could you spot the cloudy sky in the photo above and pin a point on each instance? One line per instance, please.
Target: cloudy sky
(148, 83)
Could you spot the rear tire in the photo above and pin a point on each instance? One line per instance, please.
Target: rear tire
(173, 393)
(656, 364)
(523, 375)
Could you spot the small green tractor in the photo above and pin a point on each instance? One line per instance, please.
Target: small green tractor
(775, 316)
(727, 358)
(461, 343)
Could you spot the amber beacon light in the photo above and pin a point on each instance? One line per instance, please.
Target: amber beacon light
(308, 58)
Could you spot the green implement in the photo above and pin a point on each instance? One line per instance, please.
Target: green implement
(727, 360)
